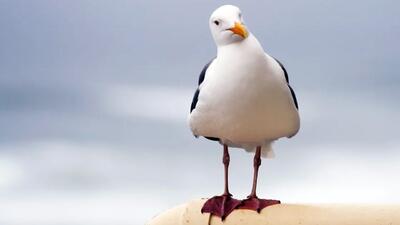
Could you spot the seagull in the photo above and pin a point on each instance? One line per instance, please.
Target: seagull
(243, 100)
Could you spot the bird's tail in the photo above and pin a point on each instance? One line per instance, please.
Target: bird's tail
(266, 150)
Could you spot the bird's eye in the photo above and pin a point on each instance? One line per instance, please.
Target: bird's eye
(216, 22)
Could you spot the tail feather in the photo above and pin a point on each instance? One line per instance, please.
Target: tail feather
(266, 150)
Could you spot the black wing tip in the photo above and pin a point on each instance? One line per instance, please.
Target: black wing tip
(195, 99)
(201, 79)
(287, 81)
(294, 97)
(284, 70)
(203, 72)
(209, 138)
(212, 138)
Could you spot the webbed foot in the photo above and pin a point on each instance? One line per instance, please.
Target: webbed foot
(257, 204)
(220, 206)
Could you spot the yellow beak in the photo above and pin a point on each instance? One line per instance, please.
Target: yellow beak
(240, 30)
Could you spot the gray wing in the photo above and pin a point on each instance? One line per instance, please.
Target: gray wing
(196, 94)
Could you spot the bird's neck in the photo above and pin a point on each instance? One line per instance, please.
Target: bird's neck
(250, 45)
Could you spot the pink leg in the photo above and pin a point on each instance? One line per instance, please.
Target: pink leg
(253, 202)
(224, 204)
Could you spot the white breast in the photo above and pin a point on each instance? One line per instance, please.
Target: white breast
(244, 97)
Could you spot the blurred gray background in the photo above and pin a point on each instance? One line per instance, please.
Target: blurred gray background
(94, 97)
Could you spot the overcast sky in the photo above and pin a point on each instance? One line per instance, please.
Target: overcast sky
(94, 97)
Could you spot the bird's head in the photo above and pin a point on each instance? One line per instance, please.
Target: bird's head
(227, 25)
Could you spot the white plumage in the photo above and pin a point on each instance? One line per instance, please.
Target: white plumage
(244, 100)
